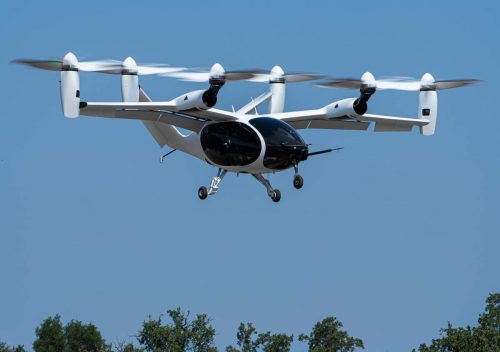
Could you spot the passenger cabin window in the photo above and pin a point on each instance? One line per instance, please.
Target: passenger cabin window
(230, 143)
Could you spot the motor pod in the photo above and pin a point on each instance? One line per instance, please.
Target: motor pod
(277, 88)
(341, 108)
(70, 86)
(193, 100)
(130, 80)
(368, 87)
(203, 99)
(428, 104)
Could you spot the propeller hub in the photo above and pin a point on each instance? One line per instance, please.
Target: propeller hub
(69, 62)
(217, 72)
(277, 75)
(427, 82)
(129, 67)
(368, 81)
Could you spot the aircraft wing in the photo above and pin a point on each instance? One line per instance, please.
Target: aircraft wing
(157, 112)
(319, 119)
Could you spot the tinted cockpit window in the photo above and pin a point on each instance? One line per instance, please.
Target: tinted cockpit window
(276, 132)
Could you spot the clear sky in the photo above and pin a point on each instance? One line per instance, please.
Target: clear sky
(394, 235)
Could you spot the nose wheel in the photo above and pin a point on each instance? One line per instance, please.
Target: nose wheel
(298, 181)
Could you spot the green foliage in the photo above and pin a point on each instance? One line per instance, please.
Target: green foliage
(202, 334)
(275, 342)
(249, 340)
(179, 336)
(197, 335)
(483, 338)
(328, 336)
(126, 347)
(81, 337)
(50, 336)
(246, 339)
(5, 348)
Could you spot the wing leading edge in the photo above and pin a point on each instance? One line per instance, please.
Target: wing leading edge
(319, 119)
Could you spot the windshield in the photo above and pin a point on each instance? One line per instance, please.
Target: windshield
(276, 132)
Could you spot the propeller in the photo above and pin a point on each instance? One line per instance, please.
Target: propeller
(277, 75)
(130, 67)
(215, 72)
(70, 62)
(396, 83)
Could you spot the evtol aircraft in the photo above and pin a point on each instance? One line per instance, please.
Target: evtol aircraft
(241, 141)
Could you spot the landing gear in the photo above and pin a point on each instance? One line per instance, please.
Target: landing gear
(276, 197)
(203, 193)
(298, 181)
(274, 194)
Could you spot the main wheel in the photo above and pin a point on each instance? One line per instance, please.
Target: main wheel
(276, 195)
(202, 192)
(298, 181)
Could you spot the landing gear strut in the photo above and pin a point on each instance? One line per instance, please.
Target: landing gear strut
(203, 193)
(298, 181)
(274, 194)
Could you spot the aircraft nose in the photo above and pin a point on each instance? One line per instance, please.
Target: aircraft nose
(301, 152)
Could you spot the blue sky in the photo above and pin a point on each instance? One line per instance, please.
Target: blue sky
(394, 235)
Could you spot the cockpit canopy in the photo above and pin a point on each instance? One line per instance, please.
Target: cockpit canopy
(284, 146)
(276, 132)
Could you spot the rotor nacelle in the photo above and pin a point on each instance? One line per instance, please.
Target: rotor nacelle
(368, 87)
(130, 80)
(70, 86)
(216, 80)
(277, 87)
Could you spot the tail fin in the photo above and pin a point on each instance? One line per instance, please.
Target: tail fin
(70, 86)
(428, 105)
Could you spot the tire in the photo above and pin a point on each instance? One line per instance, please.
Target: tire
(276, 195)
(298, 181)
(202, 192)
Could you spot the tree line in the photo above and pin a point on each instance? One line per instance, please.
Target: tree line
(180, 333)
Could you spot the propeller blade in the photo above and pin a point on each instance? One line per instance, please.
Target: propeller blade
(454, 83)
(260, 78)
(240, 75)
(189, 76)
(346, 83)
(157, 69)
(50, 65)
(98, 65)
(302, 77)
(57, 65)
(408, 85)
(289, 78)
